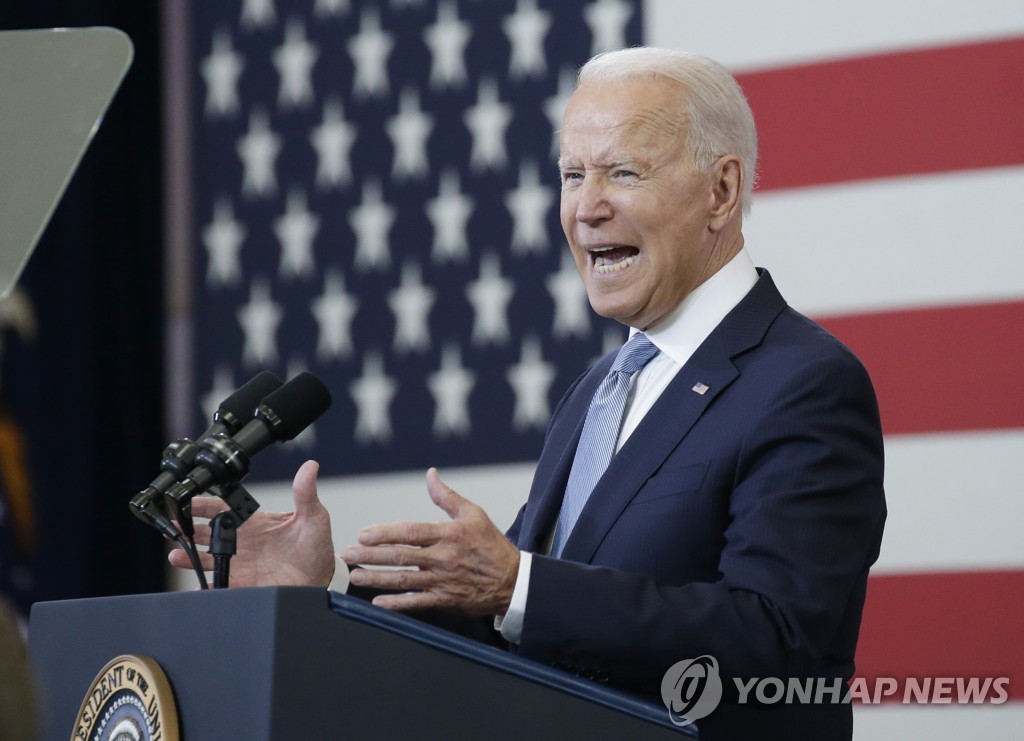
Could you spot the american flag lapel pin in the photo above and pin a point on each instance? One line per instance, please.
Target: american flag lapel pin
(700, 388)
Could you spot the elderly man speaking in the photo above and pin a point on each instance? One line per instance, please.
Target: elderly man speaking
(712, 488)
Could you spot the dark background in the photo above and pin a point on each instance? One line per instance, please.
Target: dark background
(87, 393)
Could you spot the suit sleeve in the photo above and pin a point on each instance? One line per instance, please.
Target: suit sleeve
(805, 514)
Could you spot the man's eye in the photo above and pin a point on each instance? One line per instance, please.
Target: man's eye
(627, 174)
(571, 176)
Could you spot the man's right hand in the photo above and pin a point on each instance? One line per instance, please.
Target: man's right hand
(274, 548)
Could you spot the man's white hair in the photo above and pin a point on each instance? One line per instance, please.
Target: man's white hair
(719, 119)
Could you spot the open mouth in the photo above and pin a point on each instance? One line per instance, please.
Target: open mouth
(613, 259)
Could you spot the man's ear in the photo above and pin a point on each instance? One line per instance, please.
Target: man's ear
(727, 178)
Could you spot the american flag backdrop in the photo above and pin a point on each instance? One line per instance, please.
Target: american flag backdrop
(374, 199)
(376, 202)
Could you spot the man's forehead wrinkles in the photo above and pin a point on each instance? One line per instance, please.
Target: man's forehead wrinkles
(604, 133)
(635, 123)
(600, 154)
(647, 126)
(616, 152)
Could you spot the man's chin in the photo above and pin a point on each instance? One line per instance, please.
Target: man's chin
(617, 310)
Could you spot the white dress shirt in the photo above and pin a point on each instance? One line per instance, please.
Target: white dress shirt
(677, 338)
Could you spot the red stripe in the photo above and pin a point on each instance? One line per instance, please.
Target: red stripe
(942, 369)
(934, 110)
(945, 625)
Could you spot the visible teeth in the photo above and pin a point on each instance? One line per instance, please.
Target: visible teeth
(604, 266)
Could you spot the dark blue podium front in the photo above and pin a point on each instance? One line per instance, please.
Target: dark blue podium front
(291, 662)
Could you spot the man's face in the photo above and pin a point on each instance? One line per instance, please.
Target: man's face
(634, 210)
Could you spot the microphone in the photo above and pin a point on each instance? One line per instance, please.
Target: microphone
(179, 457)
(224, 460)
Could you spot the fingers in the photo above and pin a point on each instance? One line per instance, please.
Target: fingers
(411, 587)
(420, 533)
(394, 555)
(465, 565)
(179, 559)
(208, 507)
(392, 579)
(405, 533)
(388, 544)
(202, 535)
(200, 532)
(307, 502)
(444, 496)
(408, 602)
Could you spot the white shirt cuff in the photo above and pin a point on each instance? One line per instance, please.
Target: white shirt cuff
(339, 583)
(511, 623)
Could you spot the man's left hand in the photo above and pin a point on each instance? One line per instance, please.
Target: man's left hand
(466, 565)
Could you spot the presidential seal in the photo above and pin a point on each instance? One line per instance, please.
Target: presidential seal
(130, 700)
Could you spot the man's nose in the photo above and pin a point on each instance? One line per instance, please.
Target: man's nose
(592, 204)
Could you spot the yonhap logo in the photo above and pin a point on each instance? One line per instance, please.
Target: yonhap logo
(691, 689)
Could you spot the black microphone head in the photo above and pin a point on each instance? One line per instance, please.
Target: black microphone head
(294, 406)
(236, 410)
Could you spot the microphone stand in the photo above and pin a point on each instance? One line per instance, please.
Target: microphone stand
(223, 545)
(224, 530)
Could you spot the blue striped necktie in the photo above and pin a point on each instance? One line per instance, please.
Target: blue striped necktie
(600, 434)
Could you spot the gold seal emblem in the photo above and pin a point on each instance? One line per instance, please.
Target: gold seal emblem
(130, 700)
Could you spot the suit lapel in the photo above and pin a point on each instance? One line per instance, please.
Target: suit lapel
(665, 425)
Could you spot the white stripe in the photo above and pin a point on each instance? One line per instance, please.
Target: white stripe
(894, 243)
(956, 502)
(357, 501)
(749, 34)
(938, 722)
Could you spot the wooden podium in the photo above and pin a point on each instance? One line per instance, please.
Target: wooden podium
(295, 662)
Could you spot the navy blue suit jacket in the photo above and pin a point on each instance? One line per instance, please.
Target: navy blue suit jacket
(739, 523)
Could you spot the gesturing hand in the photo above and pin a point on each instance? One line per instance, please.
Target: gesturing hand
(466, 565)
(275, 548)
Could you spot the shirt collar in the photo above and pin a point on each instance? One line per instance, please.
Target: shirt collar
(690, 323)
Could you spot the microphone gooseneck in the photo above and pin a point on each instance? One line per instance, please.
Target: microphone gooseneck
(225, 459)
(179, 457)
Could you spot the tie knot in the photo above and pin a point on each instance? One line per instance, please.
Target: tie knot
(634, 355)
